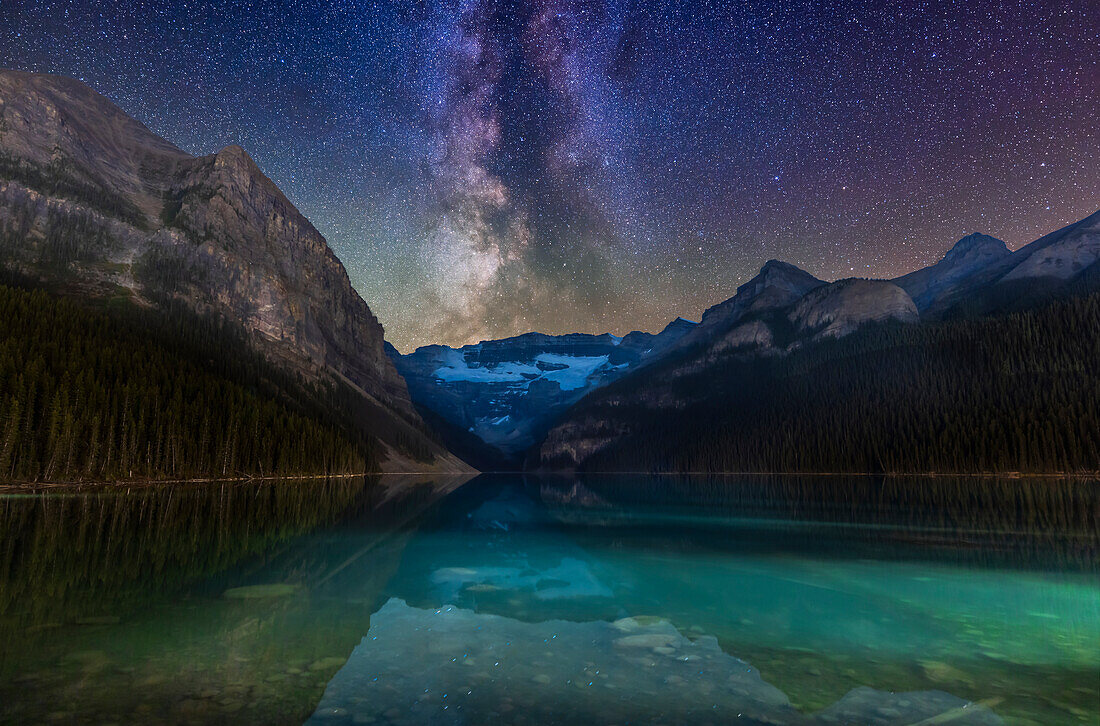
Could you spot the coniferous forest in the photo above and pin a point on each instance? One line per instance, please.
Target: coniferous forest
(120, 393)
(1016, 392)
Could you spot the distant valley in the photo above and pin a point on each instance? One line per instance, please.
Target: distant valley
(189, 281)
(507, 392)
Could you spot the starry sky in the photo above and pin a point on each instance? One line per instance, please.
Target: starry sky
(489, 167)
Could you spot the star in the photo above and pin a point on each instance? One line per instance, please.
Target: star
(490, 167)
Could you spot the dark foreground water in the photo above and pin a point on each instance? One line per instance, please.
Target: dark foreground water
(614, 600)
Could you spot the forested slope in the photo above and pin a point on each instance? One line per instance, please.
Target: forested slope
(109, 393)
(1016, 392)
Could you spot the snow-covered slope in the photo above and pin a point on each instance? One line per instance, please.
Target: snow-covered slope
(570, 372)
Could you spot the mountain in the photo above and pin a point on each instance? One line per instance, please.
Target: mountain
(979, 275)
(507, 392)
(991, 394)
(1063, 255)
(650, 345)
(991, 371)
(780, 309)
(778, 284)
(96, 206)
(971, 254)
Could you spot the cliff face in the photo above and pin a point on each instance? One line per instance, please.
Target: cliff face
(260, 260)
(841, 307)
(91, 201)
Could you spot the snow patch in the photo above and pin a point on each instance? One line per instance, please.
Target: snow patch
(572, 376)
(454, 368)
(576, 374)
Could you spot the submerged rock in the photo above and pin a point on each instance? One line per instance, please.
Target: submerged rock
(591, 672)
(647, 640)
(868, 707)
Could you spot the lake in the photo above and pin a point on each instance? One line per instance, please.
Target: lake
(620, 599)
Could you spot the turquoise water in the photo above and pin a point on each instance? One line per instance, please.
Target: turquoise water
(614, 600)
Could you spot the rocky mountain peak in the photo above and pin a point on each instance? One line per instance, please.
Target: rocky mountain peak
(68, 116)
(775, 265)
(783, 276)
(977, 244)
(776, 285)
(969, 256)
(678, 325)
(83, 143)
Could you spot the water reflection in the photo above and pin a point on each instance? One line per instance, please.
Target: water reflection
(242, 603)
(197, 604)
(988, 522)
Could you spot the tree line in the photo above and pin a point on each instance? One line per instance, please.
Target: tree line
(1016, 392)
(106, 394)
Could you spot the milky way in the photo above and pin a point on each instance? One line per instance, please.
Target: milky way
(517, 103)
(485, 168)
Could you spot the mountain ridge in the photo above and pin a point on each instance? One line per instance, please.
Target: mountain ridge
(760, 360)
(968, 256)
(781, 309)
(507, 391)
(93, 202)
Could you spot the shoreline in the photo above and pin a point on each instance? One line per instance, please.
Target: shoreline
(30, 487)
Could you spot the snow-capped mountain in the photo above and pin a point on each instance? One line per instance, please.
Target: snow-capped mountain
(507, 392)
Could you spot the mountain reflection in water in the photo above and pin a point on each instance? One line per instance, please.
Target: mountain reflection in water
(511, 599)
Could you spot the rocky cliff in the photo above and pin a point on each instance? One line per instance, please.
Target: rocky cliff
(841, 307)
(94, 203)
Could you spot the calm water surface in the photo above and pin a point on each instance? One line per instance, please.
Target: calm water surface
(614, 600)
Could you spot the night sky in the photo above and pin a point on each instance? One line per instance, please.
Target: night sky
(488, 168)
